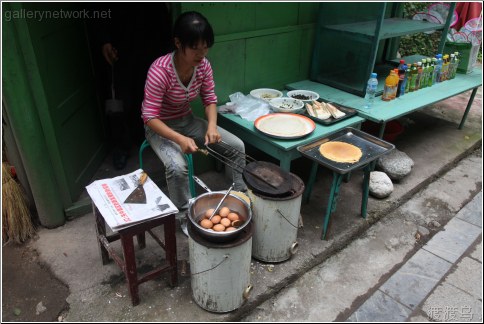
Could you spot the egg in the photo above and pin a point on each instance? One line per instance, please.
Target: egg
(216, 219)
(225, 222)
(236, 223)
(233, 216)
(209, 212)
(205, 223)
(230, 229)
(219, 228)
(224, 211)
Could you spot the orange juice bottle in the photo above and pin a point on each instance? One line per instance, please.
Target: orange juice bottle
(390, 89)
(395, 79)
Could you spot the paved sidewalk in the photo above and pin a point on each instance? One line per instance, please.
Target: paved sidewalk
(398, 270)
(441, 282)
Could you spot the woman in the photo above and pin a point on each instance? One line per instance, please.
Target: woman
(174, 80)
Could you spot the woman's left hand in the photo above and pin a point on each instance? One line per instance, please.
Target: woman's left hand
(212, 136)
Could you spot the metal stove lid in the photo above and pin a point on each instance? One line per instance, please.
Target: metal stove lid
(268, 179)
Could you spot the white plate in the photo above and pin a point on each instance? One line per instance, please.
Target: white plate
(285, 125)
(266, 93)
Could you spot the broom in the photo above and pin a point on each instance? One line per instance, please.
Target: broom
(16, 221)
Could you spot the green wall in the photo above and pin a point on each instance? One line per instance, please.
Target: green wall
(257, 45)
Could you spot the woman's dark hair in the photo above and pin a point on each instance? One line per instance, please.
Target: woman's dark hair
(191, 27)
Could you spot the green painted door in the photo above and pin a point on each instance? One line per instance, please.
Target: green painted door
(54, 49)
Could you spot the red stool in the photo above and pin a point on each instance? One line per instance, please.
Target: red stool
(126, 235)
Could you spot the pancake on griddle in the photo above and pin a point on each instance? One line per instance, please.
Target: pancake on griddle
(340, 152)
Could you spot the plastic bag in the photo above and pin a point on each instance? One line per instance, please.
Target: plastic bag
(248, 107)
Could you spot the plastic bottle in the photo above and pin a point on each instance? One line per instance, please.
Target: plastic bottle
(395, 79)
(451, 73)
(438, 68)
(401, 78)
(403, 85)
(371, 87)
(408, 78)
(413, 79)
(457, 61)
(425, 72)
(391, 83)
(419, 76)
(434, 72)
(430, 71)
(445, 68)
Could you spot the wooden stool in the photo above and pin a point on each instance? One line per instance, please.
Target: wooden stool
(128, 265)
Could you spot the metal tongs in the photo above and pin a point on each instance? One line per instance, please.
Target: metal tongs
(221, 201)
(228, 159)
(228, 156)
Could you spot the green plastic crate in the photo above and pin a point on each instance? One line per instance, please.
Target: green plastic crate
(467, 55)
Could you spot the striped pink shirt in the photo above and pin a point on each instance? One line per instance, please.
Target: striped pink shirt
(165, 95)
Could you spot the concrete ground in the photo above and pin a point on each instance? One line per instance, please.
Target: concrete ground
(387, 273)
(431, 139)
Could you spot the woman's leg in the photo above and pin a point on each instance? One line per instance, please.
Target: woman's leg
(176, 168)
(197, 129)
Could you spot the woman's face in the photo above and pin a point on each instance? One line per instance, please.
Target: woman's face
(193, 56)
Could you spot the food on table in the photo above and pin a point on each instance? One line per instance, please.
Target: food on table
(340, 152)
(286, 104)
(301, 96)
(335, 112)
(267, 95)
(289, 127)
(324, 110)
(319, 110)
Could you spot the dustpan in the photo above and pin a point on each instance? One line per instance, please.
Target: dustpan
(113, 105)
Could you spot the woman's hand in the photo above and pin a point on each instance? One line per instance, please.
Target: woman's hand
(188, 145)
(212, 135)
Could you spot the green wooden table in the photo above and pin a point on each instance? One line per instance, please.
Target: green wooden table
(283, 150)
(384, 111)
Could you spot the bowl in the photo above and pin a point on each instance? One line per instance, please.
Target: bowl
(199, 205)
(287, 105)
(305, 96)
(266, 94)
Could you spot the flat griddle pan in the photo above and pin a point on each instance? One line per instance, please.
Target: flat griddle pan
(371, 147)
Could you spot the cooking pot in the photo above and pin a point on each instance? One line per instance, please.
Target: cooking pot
(199, 205)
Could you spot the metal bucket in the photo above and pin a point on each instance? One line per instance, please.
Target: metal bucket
(276, 223)
(220, 272)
